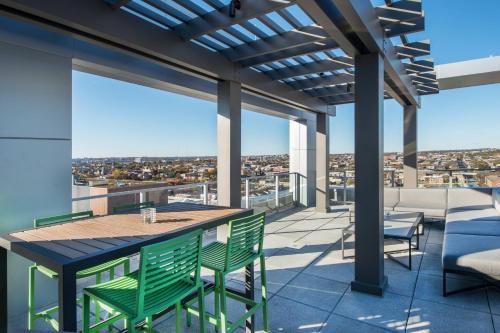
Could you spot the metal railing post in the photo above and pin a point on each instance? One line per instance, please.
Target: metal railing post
(247, 193)
(142, 197)
(345, 186)
(205, 194)
(277, 191)
(393, 180)
(450, 179)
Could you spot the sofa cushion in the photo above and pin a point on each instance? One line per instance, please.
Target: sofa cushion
(436, 213)
(469, 198)
(473, 215)
(423, 197)
(472, 253)
(485, 228)
(391, 197)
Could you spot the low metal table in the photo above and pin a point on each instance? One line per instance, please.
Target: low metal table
(401, 226)
(67, 248)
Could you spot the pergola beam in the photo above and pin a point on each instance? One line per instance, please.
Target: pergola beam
(94, 21)
(310, 68)
(355, 26)
(117, 4)
(322, 81)
(331, 91)
(287, 40)
(414, 49)
(398, 28)
(220, 19)
(318, 46)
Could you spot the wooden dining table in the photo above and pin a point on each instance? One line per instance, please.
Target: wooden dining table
(67, 248)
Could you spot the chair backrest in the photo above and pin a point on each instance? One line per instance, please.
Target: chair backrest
(41, 222)
(165, 263)
(132, 207)
(244, 234)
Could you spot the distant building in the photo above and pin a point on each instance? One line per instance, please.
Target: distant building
(492, 181)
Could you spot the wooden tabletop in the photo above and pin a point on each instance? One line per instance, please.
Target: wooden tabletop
(96, 235)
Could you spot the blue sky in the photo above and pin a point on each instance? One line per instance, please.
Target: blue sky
(113, 118)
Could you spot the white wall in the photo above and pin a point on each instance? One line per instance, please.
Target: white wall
(35, 151)
(303, 157)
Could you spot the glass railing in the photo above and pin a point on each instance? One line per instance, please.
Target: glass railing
(262, 193)
(342, 182)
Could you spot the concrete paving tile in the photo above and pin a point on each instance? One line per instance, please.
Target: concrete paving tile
(333, 268)
(496, 323)
(433, 249)
(399, 261)
(292, 236)
(431, 265)
(276, 279)
(294, 259)
(435, 236)
(401, 282)
(288, 316)
(433, 317)
(388, 312)
(322, 237)
(305, 225)
(335, 224)
(339, 324)
(430, 288)
(314, 291)
(494, 299)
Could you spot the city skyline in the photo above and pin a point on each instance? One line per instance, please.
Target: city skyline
(131, 120)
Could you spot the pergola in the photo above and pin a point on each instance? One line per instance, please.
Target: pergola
(293, 58)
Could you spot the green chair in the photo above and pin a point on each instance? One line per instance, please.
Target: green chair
(168, 272)
(132, 207)
(244, 236)
(93, 271)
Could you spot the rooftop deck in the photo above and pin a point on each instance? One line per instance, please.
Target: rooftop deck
(309, 291)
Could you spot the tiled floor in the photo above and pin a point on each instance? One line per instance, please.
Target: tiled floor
(308, 285)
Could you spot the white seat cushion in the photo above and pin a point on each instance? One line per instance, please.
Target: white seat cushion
(473, 215)
(469, 198)
(472, 253)
(485, 228)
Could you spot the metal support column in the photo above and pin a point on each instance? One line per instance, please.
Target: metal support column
(369, 170)
(229, 143)
(322, 163)
(410, 147)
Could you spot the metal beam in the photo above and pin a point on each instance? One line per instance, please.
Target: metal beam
(94, 21)
(410, 147)
(117, 4)
(220, 19)
(369, 168)
(414, 49)
(331, 91)
(290, 39)
(393, 29)
(469, 73)
(311, 68)
(314, 47)
(321, 81)
(357, 29)
(419, 66)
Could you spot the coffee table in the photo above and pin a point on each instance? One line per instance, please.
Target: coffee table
(401, 226)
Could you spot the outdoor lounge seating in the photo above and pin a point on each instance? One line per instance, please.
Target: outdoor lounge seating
(471, 243)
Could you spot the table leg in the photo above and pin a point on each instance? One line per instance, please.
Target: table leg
(250, 293)
(409, 257)
(67, 300)
(3, 290)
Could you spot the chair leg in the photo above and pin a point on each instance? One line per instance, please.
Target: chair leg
(131, 326)
(31, 297)
(223, 304)
(263, 286)
(97, 306)
(178, 317)
(149, 324)
(217, 301)
(86, 313)
(201, 308)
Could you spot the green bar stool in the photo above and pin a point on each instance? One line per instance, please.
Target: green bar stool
(96, 271)
(132, 207)
(168, 273)
(245, 235)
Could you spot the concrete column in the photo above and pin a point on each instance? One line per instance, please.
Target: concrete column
(229, 143)
(322, 162)
(35, 152)
(410, 147)
(369, 168)
(303, 158)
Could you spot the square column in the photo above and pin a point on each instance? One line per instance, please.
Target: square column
(410, 168)
(303, 159)
(322, 162)
(229, 143)
(369, 168)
